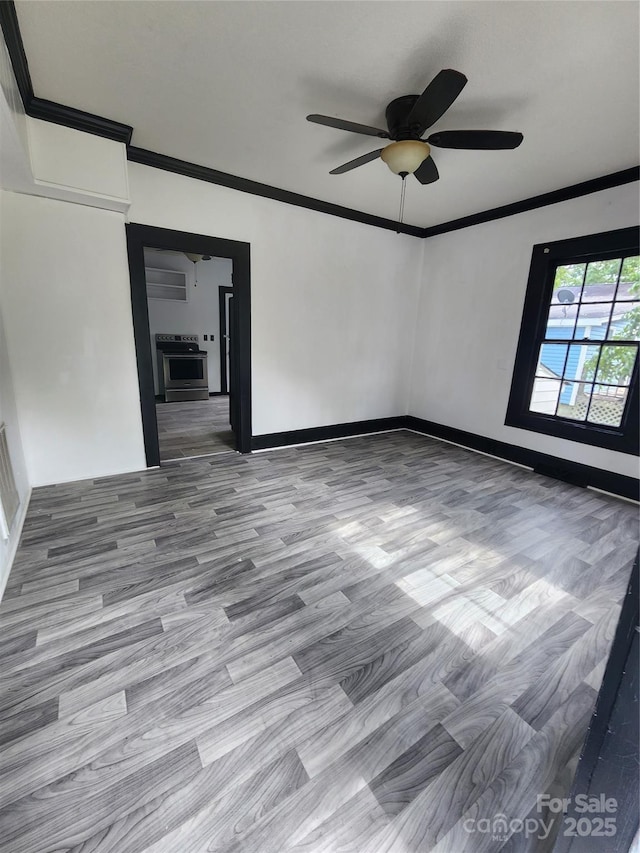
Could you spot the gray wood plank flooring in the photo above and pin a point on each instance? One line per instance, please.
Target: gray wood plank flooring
(194, 428)
(354, 646)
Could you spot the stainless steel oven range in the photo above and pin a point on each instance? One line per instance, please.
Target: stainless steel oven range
(182, 368)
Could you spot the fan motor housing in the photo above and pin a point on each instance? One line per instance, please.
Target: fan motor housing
(396, 116)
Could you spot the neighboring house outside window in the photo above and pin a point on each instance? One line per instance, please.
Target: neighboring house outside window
(576, 372)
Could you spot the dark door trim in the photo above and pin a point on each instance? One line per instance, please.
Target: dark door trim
(609, 760)
(222, 315)
(140, 237)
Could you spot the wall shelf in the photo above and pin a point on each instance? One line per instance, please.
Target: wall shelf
(169, 285)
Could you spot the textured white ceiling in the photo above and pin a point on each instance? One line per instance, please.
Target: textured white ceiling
(228, 85)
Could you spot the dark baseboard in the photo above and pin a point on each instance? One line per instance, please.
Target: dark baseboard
(542, 463)
(324, 433)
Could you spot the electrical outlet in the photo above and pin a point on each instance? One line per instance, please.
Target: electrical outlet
(211, 336)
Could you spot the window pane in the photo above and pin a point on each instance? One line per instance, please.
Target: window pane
(561, 321)
(616, 364)
(592, 320)
(601, 280)
(625, 322)
(599, 292)
(567, 283)
(551, 360)
(544, 396)
(607, 406)
(627, 290)
(581, 362)
(574, 400)
(630, 275)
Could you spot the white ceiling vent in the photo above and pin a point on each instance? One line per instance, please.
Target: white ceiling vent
(9, 500)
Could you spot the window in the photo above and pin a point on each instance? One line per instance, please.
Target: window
(576, 370)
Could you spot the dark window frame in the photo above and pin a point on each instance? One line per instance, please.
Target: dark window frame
(545, 258)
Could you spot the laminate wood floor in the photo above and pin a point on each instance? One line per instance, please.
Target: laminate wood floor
(194, 428)
(353, 646)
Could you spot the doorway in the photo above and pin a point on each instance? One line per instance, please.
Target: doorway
(192, 410)
(229, 407)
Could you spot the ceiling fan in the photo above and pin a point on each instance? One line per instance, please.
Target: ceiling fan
(192, 256)
(407, 119)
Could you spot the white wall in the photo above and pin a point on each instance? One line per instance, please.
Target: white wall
(334, 311)
(80, 167)
(467, 326)
(67, 312)
(9, 416)
(15, 167)
(332, 301)
(199, 315)
(14, 171)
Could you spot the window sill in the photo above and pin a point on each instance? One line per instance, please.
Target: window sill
(607, 438)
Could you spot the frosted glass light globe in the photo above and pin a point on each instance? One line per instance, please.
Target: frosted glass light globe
(406, 156)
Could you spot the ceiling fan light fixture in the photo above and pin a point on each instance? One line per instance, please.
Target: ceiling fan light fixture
(405, 156)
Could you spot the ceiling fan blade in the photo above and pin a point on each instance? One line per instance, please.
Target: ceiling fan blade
(353, 164)
(427, 171)
(436, 99)
(485, 140)
(352, 126)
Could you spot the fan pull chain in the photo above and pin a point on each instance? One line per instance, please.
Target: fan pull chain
(401, 213)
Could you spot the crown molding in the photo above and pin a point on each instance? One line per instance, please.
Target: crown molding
(79, 120)
(49, 110)
(224, 179)
(605, 182)
(13, 38)
(100, 126)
